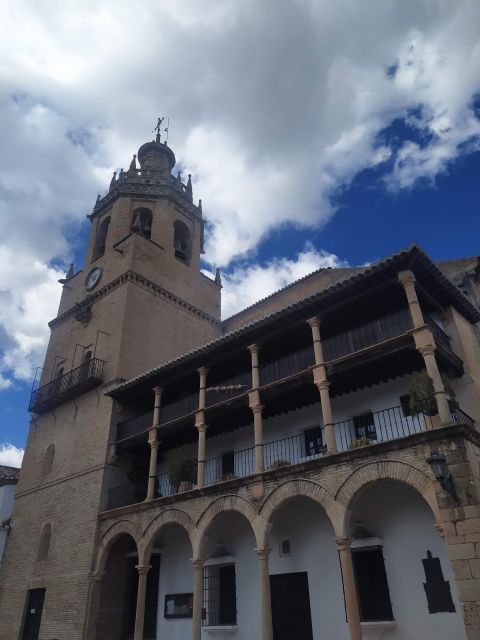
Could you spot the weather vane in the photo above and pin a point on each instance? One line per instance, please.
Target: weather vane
(158, 129)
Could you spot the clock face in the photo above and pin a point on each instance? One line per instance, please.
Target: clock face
(93, 278)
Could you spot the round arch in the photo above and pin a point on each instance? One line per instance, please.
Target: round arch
(215, 509)
(299, 488)
(170, 516)
(372, 472)
(123, 527)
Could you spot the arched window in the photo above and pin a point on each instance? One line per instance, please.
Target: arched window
(48, 459)
(142, 222)
(182, 242)
(44, 544)
(101, 239)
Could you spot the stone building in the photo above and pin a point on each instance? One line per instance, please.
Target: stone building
(265, 477)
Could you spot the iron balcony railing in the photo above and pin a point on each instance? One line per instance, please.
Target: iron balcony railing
(370, 428)
(134, 426)
(67, 386)
(287, 365)
(229, 388)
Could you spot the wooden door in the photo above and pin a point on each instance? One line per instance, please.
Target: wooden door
(33, 614)
(291, 607)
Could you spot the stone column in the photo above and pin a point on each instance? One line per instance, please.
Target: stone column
(256, 407)
(425, 345)
(350, 589)
(323, 386)
(197, 599)
(407, 280)
(141, 594)
(265, 599)
(153, 442)
(201, 427)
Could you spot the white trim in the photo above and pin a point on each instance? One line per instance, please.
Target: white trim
(219, 560)
(367, 542)
(229, 628)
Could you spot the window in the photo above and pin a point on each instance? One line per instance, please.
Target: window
(142, 222)
(48, 460)
(182, 241)
(372, 585)
(285, 548)
(437, 589)
(44, 544)
(101, 239)
(313, 441)
(365, 426)
(220, 597)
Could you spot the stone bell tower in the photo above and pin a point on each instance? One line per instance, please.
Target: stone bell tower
(139, 300)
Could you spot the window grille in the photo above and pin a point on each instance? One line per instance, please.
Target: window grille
(219, 595)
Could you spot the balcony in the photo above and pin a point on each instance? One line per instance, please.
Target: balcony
(71, 384)
(372, 428)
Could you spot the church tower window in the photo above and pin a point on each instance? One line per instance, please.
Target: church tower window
(182, 242)
(101, 239)
(142, 222)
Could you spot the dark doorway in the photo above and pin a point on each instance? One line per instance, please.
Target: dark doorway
(33, 614)
(291, 607)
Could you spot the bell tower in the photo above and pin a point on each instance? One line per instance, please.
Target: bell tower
(139, 300)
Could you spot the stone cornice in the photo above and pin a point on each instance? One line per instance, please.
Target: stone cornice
(79, 309)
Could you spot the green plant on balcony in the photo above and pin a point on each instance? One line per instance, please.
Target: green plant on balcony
(279, 464)
(181, 465)
(422, 395)
(359, 442)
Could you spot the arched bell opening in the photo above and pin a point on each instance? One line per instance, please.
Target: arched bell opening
(142, 222)
(182, 242)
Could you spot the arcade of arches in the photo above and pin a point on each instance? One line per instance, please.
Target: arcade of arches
(339, 566)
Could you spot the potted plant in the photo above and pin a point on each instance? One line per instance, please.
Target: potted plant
(360, 442)
(422, 398)
(279, 464)
(181, 467)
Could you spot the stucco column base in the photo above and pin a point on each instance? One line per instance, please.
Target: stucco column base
(141, 593)
(265, 599)
(350, 589)
(197, 599)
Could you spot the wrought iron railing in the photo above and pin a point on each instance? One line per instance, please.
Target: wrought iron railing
(67, 386)
(179, 408)
(367, 334)
(370, 428)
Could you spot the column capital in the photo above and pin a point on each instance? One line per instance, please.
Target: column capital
(257, 408)
(143, 569)
(157, 390)
(154, 444)
(253, 348)
(263, 554)
(426, 350)
(202, 371)
(406, 277)
(201, 428)
(314, 321)
(343, 543)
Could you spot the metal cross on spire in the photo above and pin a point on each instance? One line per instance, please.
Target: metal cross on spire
(158, 128)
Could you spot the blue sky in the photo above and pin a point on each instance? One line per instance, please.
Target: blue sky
(315, 136)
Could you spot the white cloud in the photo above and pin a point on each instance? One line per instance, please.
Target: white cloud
(10, 455)
(247, 284)
(275, 106)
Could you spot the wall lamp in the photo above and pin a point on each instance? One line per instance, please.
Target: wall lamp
(438, 462)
